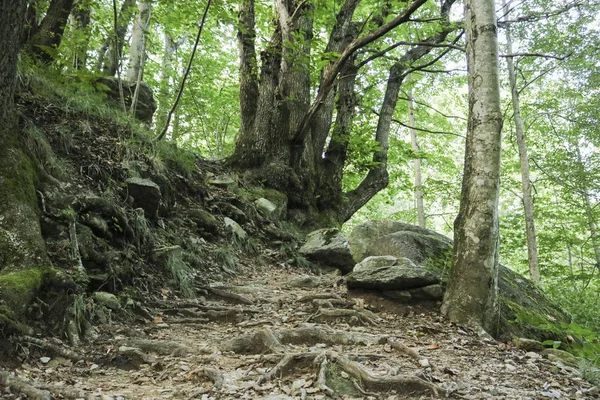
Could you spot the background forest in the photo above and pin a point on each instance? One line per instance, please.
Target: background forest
(411, 142)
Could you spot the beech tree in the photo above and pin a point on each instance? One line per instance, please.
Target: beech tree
(471, 295)
(294, 144)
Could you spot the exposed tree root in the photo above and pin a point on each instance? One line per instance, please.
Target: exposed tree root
(229, 296)
(22, 386)
(160, 347)
(318, 296)
(311, 335)
(260, 342)
(189, 321)
(352, 317)
(402, 384)
(266, 341)
(211, 373)
(55, 349)
(413, 354)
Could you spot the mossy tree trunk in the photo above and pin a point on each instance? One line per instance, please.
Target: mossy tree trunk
(24, 264)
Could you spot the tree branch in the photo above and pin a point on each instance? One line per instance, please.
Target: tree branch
(185, 75)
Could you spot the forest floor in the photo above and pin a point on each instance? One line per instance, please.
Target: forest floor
(276, 334)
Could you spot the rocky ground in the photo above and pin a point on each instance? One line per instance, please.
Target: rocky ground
(274, 333)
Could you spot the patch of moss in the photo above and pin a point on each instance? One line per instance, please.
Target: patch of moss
(18, 288)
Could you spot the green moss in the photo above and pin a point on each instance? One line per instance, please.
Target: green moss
(18, 288)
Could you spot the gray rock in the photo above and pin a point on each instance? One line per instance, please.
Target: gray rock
(146, 195)
(304, 281)
(205, 221)
(107, 300)
(404, 276)
(223, 181)
(389, 238)
(235, 228)
(328, 247)
(431, 292)
(265, 206)
(375, 262)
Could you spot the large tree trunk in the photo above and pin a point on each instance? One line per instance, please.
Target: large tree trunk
(532, 250)
(137, 50)
(417, 162)
(164, 91)
(45, 41)
(471, 296)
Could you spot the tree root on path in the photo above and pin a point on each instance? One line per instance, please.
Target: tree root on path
(160, 347)
(365, 382)
(23, 386)
(265, 340)
(55, 349)
(228, 296)
(318, 296)
(352, 317)
(213, 374)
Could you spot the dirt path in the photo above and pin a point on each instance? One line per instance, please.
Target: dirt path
(290, 336)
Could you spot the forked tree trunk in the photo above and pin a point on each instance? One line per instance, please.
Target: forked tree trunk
(45, 40)
(526, 186)
(416, 163)
(283, 133)
(471, 296)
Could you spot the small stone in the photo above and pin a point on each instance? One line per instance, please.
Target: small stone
(265, 206)
(108, 300)
(45, 360)
(423, 362)
(235, 228)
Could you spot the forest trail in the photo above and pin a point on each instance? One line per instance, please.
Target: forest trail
(283, 335)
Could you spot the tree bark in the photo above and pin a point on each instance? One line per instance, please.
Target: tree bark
(471, 295)
(24, 263)
(416, 163)
(82, 18)
(164, 100)
(248, 68)
(46, 39)
(526, 186)
(137, 50)
(111, 51)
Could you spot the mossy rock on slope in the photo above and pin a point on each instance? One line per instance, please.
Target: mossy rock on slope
(524, 309)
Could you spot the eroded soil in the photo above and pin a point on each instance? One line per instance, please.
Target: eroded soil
(283, 335)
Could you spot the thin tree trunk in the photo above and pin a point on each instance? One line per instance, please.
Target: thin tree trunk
(164, 89)
(589, 211)
(164, 130)
(471, 297)
(416, 162)
(526, 186)
(45, 41)
(137, 50)
(111, 50)
(117, 56)
(82, 19)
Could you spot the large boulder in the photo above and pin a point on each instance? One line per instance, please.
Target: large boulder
(524, 309)
(328, 247)
(145, 194)
(391, 238)
(400, 274)
(145, 106)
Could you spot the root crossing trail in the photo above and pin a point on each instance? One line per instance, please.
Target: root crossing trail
(286, 336)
